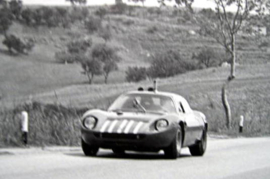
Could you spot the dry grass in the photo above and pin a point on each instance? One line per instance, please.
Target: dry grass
(48, 125)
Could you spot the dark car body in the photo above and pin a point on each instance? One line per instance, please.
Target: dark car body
(145, 121)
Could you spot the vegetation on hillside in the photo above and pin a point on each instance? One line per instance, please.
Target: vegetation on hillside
(119, 43)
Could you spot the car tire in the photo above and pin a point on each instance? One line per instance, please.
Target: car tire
(89, 150)
(174, 150)
(199, 148)
(118, 151)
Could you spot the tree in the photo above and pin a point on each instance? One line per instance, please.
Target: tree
(5, 20)
(101, 12)
(109, 58)
(224, 31)
(79, 46)
(80, 2)
(15, 7)
(136, 74)
(136, 1)
(207, 57)
(74, 52)
(48, 16)
(108, 67)
(37, 16)
(28, 16)
(186, 3)
(79, 14)
(119, 8)
(14, 43)
(91, 68)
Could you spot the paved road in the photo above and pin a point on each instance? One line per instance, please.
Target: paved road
(225, 158)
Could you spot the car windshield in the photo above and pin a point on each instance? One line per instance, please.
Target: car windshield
(143, 103)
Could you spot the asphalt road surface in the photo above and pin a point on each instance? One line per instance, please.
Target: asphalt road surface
(239, 158)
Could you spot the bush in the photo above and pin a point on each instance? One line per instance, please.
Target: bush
(119, 8)
(78, 14)
(5, 20)
(65, 57)
(101, 12)
(79, 46)
(93, 24)
(207, 57)
(28, 16)
(169, 64)
(136, 74)
(48, 125)
(14, 43)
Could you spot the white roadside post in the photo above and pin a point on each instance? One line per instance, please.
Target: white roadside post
(24, 125)
(241, 124)
(155, 85)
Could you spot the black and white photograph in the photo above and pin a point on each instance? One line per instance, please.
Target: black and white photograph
(130, 89)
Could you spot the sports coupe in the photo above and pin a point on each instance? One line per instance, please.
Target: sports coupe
(145, 121)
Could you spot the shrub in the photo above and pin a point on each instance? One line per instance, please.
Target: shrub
(92, 24)
(78, 14)
(119, 8)
(14, 43)
(168, 64)
(101, 12)
(65, 57)
(128, 22)
(5, 20)
(152, 30)
(75, 51)
(28, 15)
(207, 57)
(136, 74)
(79, 46)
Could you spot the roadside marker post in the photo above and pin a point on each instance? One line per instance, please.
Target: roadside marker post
(241, 124)
(24, 125)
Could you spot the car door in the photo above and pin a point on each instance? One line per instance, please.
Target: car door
(193, 126)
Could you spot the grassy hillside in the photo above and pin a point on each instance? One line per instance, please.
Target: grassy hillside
(137, 38)
(37, 76)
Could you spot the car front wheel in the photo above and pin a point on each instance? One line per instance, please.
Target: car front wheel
(89, 150)
(174, 150)
(199, 148)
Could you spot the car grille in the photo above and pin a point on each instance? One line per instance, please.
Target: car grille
(119, 136)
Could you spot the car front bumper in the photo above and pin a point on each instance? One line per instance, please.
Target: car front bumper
(138, 142)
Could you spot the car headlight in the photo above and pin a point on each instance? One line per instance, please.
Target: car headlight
(162, 124)
(90, 122)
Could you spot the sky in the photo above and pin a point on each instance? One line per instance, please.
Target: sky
(198, 3)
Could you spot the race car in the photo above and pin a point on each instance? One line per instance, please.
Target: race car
(145, 120)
